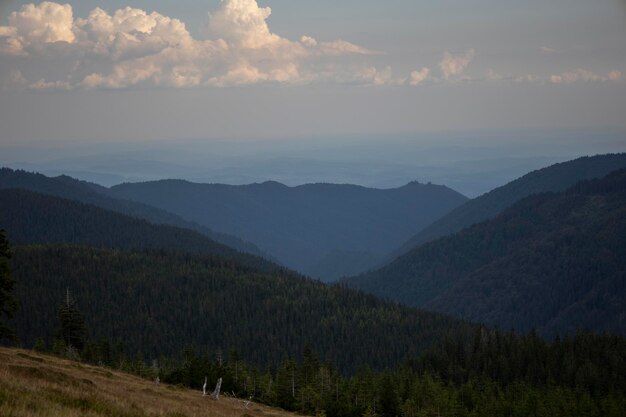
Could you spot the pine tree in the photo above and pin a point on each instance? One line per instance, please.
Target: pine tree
(369, 412)
(285, 384)
(40, 345)
(72, 326)
(388, 398)
(7, 284)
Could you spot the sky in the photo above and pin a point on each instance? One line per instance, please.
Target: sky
(168, 73)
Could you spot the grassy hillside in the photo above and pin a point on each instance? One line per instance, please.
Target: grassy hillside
(36, 385)
(552, 261)
(554, 178)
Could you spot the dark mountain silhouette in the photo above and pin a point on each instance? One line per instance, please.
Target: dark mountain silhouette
(553, 261)
(554, 178)
(304, 226)
(89, 193)
(33, 218)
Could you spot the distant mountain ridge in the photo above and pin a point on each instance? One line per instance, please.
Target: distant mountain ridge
(557, 177)
(34, 218)
(85, 192)
(304, 226)
(552, 261)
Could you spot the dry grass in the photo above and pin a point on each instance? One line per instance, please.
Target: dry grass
(33, 385)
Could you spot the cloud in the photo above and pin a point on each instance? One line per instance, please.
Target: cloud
(529, 78)
(374, 76)
(243, 23)
(46, 47)
(492, 75)
(32, 25)
(308, 41)
(454, 65)
(341, 47)
(131, 47)
(569, 77)
(49, 22)
(417, 77)
(584, 76)
(50, 85)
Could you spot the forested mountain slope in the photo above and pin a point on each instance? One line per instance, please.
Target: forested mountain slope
(552, 261)
(308, 227)
(554, 178)
(31, 218)
(159, 303)
(85, 192)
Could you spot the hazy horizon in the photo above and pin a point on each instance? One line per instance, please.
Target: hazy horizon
(240, 91)
(471, 162)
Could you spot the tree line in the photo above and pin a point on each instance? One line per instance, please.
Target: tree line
(582, 375)
(159, 302)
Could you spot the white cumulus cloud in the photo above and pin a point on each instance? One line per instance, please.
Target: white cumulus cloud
(417, 77)
(454, 65)
(49, 22)
(374, 76)
(131, 47)
(46, 47)
(243, 23)
(50, 85)
(580, 74)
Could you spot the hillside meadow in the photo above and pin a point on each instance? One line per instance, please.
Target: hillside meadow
(32, 384)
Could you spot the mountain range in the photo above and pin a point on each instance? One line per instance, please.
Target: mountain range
(90, 193)
(557, 177)
(33, 218)
(323, 230)
(309, 228)
(552, 261)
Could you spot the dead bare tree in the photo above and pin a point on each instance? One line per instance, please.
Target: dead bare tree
(218, 388)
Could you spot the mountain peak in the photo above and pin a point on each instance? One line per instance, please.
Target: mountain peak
(272, 183)
(414, 183)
